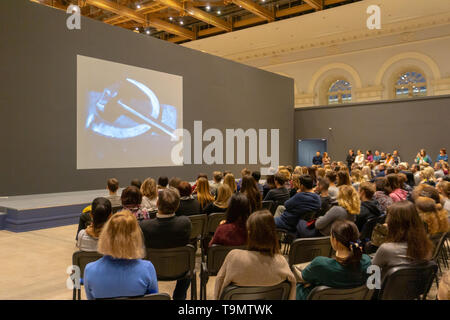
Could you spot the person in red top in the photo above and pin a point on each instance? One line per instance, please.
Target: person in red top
(233, 231)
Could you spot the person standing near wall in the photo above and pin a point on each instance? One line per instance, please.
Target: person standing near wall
(350, 158)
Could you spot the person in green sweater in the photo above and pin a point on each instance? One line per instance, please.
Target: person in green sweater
(347, 270)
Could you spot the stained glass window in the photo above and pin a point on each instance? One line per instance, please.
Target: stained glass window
(340, 92)
(410, 84)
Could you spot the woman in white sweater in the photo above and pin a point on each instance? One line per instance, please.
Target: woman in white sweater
(260, 265)
(359, 160)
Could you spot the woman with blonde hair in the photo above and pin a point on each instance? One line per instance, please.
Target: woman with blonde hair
(432, 214)
(223, 198)
(149, 194)
(366, 173)
(347, 209)
(357, 178)
(121, 272)
(231, 182)
(427, 176)
(203, 195)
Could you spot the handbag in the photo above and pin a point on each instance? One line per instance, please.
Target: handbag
(379, 234)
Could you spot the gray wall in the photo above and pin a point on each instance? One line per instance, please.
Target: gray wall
(38, 97)
(405, 125)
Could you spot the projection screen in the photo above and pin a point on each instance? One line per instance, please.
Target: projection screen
(126, 116)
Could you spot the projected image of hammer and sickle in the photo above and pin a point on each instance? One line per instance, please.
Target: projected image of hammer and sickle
(129, 109)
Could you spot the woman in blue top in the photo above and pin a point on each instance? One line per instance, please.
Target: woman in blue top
(443, 156)
(347, 270)
(121, 272)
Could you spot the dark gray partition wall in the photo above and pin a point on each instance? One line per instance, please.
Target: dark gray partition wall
(38, 97)
(405, 125)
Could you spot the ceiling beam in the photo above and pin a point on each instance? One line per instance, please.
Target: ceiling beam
(141, 18)
(255, 8)
(316, 4)
(151, 7)
(199, 14)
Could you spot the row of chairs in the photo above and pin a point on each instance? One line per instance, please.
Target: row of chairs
(404, 282)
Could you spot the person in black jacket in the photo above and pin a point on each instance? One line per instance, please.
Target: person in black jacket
(350, 158)
(280, 194)
(188, 204)
(317, 159)
(168, 231)
(369, 209)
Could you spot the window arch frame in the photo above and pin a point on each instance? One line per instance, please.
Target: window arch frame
(339, 93)
(410, 85)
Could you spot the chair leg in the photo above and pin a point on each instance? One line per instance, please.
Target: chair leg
(74, 292)
(79, 294)
(194, 286)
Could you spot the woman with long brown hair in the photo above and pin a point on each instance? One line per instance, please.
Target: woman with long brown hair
(260, 265)
(231, 182)
(343, 178)
(250, 189)
(88, 238)
(203, 195)
(406, 241)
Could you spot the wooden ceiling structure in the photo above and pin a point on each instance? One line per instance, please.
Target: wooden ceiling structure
(180, 21)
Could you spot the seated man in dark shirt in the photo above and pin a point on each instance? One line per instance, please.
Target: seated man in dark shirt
(280, 194)
(369, 209)
(304, 205)
(317, 159)
(168, 231)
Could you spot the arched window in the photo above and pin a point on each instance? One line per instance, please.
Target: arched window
(340, 92)
(410, 84)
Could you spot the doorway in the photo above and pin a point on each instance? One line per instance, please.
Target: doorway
(307, 148)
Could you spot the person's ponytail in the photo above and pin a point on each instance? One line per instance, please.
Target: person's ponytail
(347, 234)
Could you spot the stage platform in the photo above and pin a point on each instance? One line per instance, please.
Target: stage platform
(40, 211)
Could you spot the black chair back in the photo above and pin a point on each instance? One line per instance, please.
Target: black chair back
(214, 220)
(305, 249)
(172, 264)
(82, 258)
(408, 282)
(438, 243)
(268, 205)
(278, 292)
(198, 222)
(327, 293)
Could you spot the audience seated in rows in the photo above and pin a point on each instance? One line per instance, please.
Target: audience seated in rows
(168, 231)
(260, 265)
(121, 272)
(347, 270)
